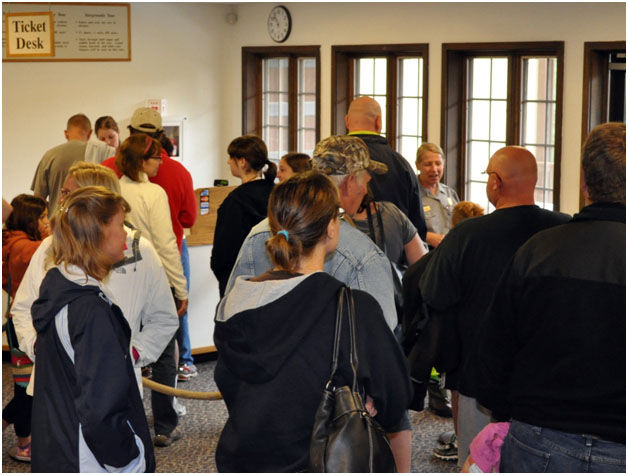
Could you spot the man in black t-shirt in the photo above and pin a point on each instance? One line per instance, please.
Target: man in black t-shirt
(460, 279)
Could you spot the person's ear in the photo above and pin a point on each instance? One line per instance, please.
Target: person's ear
(331, 229)
(378, 124)
(89, 134)
(67, 136)
(347, 121)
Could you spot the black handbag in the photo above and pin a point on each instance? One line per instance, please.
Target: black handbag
(345, 438)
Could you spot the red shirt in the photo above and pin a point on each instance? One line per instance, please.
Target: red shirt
(177, 182)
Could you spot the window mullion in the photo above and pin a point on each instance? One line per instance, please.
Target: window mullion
(391, 100)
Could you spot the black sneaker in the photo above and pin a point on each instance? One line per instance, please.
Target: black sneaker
(437, 399)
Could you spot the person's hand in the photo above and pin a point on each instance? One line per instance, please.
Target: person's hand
(182, 307)
(434, 239)
(370, 407)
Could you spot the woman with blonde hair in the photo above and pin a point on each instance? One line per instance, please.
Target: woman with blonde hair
(88, 415)
(274, 334)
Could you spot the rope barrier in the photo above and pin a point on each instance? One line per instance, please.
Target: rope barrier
(183, 393)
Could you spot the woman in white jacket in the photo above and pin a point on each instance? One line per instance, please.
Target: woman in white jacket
(138, 159)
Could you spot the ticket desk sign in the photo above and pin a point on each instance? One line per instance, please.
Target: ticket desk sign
(29, 34)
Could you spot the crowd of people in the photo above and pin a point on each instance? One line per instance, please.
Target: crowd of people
(512, 322)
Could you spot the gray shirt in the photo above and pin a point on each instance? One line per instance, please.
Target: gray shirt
(438, 207)
(398, 230)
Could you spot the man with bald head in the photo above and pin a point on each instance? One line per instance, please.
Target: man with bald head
(551, 351)
(399, 185)
(54, 165)
(460, 279)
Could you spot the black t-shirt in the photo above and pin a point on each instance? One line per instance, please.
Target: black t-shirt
(466, 267)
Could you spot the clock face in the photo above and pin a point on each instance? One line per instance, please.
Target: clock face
(279, 24)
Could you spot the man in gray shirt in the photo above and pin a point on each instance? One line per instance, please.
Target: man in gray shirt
(54, 165)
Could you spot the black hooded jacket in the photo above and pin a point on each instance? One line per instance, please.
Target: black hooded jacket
(95, 397)
(274, 362)
(242, 209)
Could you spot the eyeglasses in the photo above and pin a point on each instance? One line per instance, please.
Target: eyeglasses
(486, 172)
(156, 158)
(341, 213)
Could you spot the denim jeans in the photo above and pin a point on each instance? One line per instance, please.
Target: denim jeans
(529, 448)
(183, 333)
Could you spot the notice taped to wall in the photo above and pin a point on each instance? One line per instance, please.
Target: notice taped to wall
(82, 31)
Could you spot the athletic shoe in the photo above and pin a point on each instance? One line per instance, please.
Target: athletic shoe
(186, 372)
(21, 454)
(447, 446)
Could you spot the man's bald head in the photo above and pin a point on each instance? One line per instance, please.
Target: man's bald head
(513, 176)
(364, 113)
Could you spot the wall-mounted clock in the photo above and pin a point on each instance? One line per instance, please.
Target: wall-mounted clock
(279, 24)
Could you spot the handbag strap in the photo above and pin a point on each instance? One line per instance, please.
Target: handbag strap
(337, 331)
(9, 328)
(353, 357)
(345, 294)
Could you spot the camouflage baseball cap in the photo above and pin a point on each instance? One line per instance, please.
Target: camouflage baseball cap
(343, 155)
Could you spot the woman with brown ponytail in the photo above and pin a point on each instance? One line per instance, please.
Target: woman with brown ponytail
(245, 206)
(274, 335)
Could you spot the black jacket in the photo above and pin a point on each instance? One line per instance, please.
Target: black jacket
(242, 209)
(274, 362)
(552, 350)
(399, 185)
(98, 391)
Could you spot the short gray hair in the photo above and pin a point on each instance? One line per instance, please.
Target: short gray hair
(428, 147)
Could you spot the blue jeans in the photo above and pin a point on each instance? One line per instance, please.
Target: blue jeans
(529, 448)
(183, 333)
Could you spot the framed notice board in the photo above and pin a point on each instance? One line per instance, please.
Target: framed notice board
(80, 31)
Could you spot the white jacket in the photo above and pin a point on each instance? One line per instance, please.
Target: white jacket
(138, 286)
(150, 213)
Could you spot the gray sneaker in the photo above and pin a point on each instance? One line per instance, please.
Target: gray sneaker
(447, 446)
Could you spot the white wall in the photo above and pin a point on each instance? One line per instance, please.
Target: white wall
(328, 24)
(177, 54)
(188, 54)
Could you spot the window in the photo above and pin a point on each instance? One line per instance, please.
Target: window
(396, 77)
(496, 95)
(281, 97)
(604, 88)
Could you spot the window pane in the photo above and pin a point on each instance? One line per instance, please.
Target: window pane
(480, 120)
(499, 83)
(409, 73)
(476, 192)
(275, 105)
(408, 147)
(481, 71)
(498, 120)
(409, 117)
(307, 75)
(380, 76)
(478, 160)
(306, 105)
(409, 106)
(365, 86)
(534, 123)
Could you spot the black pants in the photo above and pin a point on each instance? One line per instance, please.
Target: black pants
(165, 418)
(18, 412)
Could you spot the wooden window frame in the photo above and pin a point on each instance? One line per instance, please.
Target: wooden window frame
(343, 78)
(252, 87)
(454, 97)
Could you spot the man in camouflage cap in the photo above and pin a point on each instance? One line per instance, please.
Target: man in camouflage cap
(347, 162)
